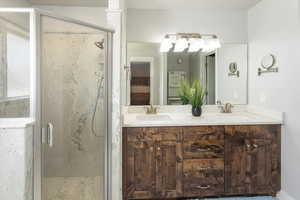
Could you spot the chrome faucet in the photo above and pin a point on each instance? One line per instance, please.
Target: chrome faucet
(227, 108)
(151, 109)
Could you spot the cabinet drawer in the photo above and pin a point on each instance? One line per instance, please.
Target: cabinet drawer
(154, 134)
(203, 142)
(203, 177)
(141, 134)
(256, 132)
(206, 190)
(170, 134)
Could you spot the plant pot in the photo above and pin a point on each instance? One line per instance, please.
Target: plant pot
(197, 111)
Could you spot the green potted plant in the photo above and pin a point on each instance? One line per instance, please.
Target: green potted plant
(197, 98)
(184, 92)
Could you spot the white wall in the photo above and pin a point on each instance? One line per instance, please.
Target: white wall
(274, 28)
(232, 89)
(152, 25)
(18, 66)
(93, 15)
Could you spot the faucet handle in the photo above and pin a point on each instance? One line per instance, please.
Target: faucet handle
(147, 109)
(151, 109)
(228, 107)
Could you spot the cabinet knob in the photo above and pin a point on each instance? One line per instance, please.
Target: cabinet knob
(255, 146)
(158, 148)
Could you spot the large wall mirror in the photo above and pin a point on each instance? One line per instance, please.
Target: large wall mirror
(153, 77)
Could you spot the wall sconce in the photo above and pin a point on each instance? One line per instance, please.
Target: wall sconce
(233, 70)
(267, 63)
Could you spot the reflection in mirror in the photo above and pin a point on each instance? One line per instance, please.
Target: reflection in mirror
(14, 65)
(155, 78)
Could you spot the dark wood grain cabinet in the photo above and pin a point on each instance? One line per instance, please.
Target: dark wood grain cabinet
(206, 161)
(252, 160)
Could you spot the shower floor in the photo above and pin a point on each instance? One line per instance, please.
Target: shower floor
(74, 188)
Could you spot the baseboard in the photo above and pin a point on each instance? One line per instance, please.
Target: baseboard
(284, 196)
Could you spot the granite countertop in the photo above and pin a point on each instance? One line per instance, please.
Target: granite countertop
(180, 117)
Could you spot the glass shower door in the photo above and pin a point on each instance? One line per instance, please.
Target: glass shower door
(74, 110)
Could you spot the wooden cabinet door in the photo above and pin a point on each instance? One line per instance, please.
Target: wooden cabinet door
(139, 163)
(140, 170)
(169, 169)
(252, 160)
(152, 163)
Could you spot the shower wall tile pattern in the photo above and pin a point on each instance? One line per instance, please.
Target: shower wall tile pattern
(74, 188)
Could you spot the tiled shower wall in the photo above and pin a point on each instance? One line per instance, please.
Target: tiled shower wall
(71, 72)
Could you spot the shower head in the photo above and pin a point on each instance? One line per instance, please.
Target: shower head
(100, 44)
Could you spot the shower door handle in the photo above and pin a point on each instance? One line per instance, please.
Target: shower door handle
(50, 134)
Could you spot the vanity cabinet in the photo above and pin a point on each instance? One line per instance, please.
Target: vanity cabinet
(204, 161)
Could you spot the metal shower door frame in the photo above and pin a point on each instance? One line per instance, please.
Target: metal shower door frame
(36, 91)
(38, 14)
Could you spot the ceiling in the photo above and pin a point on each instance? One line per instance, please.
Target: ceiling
(101, 3)
(191, 4)
(153, 4)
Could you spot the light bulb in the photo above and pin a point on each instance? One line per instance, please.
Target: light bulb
(211, 44)
(207, 49)
(215, 43)
(196, 44)
(181, 45)
(166, 45)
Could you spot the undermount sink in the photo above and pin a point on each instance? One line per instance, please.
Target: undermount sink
(153, 117)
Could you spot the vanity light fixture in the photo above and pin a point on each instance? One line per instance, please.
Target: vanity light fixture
(192, 42)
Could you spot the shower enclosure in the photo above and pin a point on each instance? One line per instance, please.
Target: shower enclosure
(69, 99)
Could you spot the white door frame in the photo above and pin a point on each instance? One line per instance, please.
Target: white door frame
(142, 59)
(216, 74)
(163, 94)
